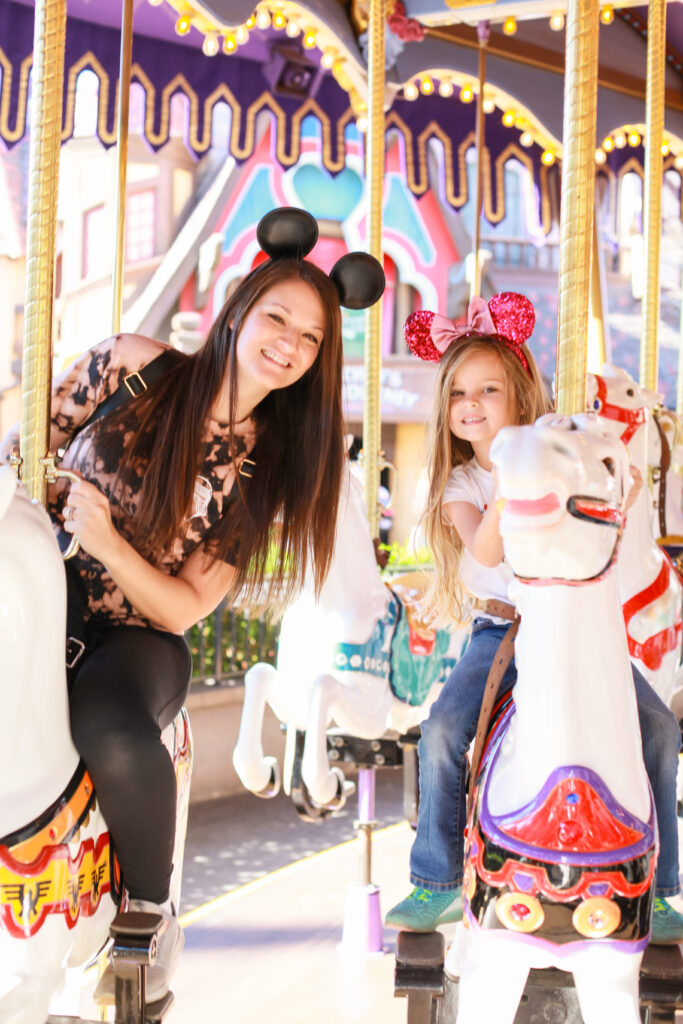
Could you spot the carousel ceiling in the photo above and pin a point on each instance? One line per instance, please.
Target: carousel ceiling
(294, 61)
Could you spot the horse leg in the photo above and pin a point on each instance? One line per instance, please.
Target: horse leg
(322, 783)
(258, 773)
(607, 986)
(492, 981)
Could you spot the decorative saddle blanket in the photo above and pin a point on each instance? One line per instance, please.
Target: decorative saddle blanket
(570, 866)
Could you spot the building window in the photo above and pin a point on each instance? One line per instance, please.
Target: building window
(140, 225)
(96, 243)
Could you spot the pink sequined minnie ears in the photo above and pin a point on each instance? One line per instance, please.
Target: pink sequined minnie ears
(290, 233)
(508, 316)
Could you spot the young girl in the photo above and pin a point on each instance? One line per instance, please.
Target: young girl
(226, 465)
(487, 380)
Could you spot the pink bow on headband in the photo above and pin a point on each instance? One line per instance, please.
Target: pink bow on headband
(508, 316)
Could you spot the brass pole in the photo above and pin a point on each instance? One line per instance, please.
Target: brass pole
(46, 129)
(578, 200)
(652, 190)
(596, 355)
(483, 36)
(373, 324)
(122, 160)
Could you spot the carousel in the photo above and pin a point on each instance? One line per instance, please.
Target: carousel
(418, 132)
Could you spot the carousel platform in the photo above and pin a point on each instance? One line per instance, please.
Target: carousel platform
(264, 929)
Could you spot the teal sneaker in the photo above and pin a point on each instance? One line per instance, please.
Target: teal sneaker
(667, 924)
(424, 910)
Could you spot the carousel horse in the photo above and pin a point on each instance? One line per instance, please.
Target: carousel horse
(651, 592)
(58, 876)
(561, 841)
(665, 463)
(355, 656)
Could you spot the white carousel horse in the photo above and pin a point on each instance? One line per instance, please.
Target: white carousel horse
(650, 590)
(55, 854)
(351, 656)
(669, 423)
(561, 845)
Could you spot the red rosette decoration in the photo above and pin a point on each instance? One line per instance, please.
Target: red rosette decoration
(417, 332)
(513, 316)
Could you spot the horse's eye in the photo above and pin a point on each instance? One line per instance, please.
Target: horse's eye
(609, 466)
(630, 392)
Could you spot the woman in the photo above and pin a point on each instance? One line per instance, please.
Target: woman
(222, 477)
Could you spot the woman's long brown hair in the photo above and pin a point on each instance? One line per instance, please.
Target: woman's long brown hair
(283, 520)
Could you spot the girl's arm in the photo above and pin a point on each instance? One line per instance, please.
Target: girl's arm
(173, 603)
(479, 533)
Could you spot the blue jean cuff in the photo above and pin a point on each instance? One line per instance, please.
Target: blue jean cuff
(664, 891)
(424, 883)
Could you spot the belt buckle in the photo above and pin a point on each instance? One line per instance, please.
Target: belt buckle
(128, 379)
(244, 471)
(74, 651)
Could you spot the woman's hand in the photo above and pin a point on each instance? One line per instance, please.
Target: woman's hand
(636, 488)
(87, 516)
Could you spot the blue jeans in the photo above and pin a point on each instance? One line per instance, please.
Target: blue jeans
(437, 854)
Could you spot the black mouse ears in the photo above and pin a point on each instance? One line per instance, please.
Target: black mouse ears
(290, 233)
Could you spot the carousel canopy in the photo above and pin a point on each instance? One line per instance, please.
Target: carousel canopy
(293, 62)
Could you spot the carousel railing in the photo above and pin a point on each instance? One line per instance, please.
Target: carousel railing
(228, 642)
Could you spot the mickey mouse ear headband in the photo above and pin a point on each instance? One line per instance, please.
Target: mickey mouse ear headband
(290, 233)
(508, 317)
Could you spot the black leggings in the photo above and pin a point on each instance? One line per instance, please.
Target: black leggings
(129, 688)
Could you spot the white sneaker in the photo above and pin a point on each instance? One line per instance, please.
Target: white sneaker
(170, 945)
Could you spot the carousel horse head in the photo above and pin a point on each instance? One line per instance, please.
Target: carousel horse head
(561, 484)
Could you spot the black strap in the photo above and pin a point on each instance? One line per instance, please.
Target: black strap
(134, 384)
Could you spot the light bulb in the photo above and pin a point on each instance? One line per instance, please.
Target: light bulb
(489, 105)
(607, 14)
(411, 91)
(633, 139)
(510, 26)
(620, 140)
(309, 38)
(600, 156)
(548, 157)
(445, 88)
(557, 21)
(210, 46)
(426, 85)
(508, 118)
(279, 20)
(229, 43)
(526, 139)
(466, 94)
(183, 24)
(293, 29)
(608, 144)
(242, 34)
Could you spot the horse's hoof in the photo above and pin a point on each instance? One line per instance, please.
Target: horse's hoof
(273, 786)
(344, 791)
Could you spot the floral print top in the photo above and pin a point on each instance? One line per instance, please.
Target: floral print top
(76, 394)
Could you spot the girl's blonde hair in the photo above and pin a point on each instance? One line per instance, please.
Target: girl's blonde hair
(445, 599)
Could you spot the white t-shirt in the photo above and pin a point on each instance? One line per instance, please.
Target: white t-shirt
(470, 482)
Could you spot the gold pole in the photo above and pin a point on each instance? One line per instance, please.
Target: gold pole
(46, 129)
(373, 324)
(121, 160)
(596, 355)
(578, 199)
(483, 35)
(652, 190)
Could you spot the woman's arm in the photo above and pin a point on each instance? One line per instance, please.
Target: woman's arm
(479, 533)
(173, 603)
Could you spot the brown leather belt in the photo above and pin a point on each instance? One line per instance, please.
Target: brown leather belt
(501, 609)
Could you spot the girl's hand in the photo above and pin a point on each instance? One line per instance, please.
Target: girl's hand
(88, 517)
(636, 488)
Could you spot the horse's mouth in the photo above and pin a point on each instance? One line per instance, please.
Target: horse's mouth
(524, 508)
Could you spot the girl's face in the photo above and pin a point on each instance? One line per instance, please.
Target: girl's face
(280, 336)
(479, 404)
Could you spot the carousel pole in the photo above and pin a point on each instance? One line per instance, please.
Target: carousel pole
(372, 438)
(679, 382)
(46, 128)
(362, 933)
(652, 190)
(578, 202)
(122, 160)
(483, 36)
